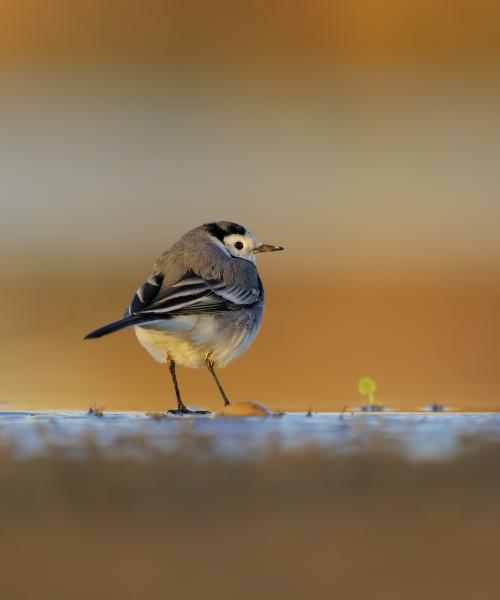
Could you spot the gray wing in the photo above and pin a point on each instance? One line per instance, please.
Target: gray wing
(191, 295)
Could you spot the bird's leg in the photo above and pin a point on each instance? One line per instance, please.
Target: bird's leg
(181, 408)
(180, 403)
(210, 366)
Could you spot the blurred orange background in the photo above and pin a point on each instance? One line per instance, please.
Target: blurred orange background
(364, 137)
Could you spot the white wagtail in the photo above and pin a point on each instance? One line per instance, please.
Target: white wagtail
(202, 304)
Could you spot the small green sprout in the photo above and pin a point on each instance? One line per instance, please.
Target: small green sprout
(367, 387)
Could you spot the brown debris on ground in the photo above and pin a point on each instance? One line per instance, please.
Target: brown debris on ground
(96, 410)
(244, 409)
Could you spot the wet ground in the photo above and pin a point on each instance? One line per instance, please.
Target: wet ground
(347, 506)
(413, 436)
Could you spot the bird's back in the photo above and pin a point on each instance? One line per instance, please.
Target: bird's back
(197, 252)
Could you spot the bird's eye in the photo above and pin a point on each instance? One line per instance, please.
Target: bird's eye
(239, 246)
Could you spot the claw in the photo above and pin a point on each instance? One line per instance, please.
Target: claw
(185, 411)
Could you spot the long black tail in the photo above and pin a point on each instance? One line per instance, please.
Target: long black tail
(116, 326)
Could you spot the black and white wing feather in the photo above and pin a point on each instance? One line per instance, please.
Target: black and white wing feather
(191, 295)
(145, 294)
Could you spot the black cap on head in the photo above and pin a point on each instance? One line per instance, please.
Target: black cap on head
(221, 229)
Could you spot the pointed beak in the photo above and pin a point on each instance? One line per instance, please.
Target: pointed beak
(267, 248)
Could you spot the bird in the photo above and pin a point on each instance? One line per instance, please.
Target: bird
(202, 305)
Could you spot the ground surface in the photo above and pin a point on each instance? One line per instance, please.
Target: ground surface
(344, 506)
(415, 436)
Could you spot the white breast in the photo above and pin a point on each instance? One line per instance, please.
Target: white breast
(189, 340)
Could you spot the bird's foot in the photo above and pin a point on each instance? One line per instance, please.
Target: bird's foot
(185, 411)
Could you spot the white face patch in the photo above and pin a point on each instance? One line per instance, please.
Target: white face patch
(241, 246)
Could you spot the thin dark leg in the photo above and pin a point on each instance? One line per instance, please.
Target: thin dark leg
(181, 408)
(180, 403)
(210, 367)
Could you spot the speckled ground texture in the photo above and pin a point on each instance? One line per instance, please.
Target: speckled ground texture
(414, 436)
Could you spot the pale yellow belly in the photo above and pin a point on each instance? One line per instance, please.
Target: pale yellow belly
(162, 344)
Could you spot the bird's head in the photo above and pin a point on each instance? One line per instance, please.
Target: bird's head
(238, 241)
